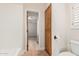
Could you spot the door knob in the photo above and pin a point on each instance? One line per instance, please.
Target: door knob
(55, 37)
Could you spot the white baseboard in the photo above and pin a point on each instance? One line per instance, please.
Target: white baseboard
(10, 52)
(18, 50)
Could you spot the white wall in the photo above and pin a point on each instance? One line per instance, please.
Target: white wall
(40, 30)
(11, 26)
(59, 27)
(68, 21)
(72, 34)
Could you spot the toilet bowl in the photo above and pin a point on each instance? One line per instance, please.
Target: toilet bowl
(66, 53)
(74, 44)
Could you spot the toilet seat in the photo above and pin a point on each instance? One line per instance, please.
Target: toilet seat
(67, 53)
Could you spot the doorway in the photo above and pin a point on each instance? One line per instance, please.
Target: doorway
(32, 38)
(32, 41)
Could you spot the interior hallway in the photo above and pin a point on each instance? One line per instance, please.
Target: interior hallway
(32, 43)
(33, 49)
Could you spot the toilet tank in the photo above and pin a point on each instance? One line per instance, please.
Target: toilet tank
(75, 47)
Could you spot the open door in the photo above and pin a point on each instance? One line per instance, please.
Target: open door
(48, 41)
(32, 40)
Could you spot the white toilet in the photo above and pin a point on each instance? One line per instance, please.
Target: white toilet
(74, 49)
(66, 53)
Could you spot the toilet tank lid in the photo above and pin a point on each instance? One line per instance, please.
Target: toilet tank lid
(75, 41)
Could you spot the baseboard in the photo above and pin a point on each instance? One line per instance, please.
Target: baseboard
(19, 49)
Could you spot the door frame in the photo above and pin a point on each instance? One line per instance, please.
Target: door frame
(25, 27)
